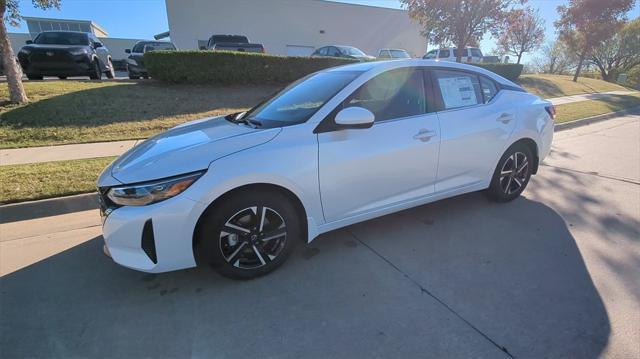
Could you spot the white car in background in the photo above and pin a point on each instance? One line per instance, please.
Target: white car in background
(470, 55)
(335, 148)
(393, 54)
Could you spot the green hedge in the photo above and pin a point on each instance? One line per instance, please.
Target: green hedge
(232, 68)
(508, 71)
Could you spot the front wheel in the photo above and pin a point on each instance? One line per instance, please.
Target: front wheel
(512, 174)
(249, 234)
(95, 73)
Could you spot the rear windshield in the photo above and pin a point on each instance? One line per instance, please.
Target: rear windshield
(62, 38)
(216, 39)
(399, 54)
(152, 46)
(300, 100)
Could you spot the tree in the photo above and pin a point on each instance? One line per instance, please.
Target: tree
(10, 13)
(554, 58)
(460, 22)
(620, 54)
(585, 24)
(523, 32)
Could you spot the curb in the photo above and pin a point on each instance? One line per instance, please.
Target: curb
(83, 202)
(597, 118)
(47, 207)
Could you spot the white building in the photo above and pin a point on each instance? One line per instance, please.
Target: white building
(36, 25)
(294, 27)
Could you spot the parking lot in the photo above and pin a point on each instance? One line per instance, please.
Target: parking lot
(552, 274)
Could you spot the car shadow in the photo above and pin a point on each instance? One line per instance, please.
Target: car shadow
(437, 280)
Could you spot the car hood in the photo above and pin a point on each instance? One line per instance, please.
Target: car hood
(186, 148)
(53, 47)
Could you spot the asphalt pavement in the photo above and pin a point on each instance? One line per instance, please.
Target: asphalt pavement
(552, 274)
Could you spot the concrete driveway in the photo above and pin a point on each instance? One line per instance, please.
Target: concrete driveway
(552, 274)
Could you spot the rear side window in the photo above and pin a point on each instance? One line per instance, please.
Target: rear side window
(393, 94)
(476, 53)
(458, 89)
(443, 54)
(431, 54)
(384, 54)
(489, 89)
(332, 51)
(323, 51)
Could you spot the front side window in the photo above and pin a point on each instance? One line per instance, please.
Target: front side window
(351, 51)
(384, 54)
(443, 54)
(399, 54)
(300, 100)
(393, 94)
(333, 52)
(62, 38)
(489, 88)
(476, 53)
(458, 89)
(431, 54)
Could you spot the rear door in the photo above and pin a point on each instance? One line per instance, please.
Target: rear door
(394, 161)
(475, 127)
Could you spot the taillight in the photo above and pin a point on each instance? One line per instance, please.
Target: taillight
(551, 110)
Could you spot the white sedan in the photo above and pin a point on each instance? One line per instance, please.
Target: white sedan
(335, 148)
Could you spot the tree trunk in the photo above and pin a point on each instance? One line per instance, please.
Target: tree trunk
(11, 67)
(519, 57)
(460, 46)
(579, 68)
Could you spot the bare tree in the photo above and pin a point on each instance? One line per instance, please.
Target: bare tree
(523, 32)
(585, 24)
(460, 22)
(10, 13)
(554, 58)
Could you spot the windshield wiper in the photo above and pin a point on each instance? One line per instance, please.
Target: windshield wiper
(251, 122)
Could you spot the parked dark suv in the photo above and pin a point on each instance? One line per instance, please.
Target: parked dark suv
(135, 61)
(65, 53)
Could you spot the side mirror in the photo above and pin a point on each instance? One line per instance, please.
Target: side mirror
(29, 42)
(127, 51)
(355, 117)
(97, 45)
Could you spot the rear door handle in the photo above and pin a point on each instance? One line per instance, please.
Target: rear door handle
(424, 135)
(505, 118)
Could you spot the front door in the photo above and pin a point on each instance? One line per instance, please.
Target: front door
(394, 161)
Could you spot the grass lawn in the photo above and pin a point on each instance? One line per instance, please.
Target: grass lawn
(583, 109)
(89, 111)
(548, 86)
(49, 179)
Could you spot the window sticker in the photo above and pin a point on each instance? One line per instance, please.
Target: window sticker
(457, 92)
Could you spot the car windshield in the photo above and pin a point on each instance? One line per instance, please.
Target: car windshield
(399, 54)
(300, 100)
(62, 38)
(352, 51)
(153, 46)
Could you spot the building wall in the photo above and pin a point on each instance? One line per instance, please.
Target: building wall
(294, 26)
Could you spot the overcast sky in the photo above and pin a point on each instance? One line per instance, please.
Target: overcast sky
(145, 18)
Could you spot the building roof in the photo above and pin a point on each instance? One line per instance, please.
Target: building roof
(100, 30)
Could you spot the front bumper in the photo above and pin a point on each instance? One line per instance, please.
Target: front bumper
(56, 65)
(155, 238)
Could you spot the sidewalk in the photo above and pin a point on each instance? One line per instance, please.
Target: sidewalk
(586, 96)
(104, 149)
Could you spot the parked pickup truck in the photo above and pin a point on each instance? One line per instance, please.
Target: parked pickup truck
(233, 43)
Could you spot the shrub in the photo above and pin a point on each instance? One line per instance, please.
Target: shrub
(508, 71)
(232, 68)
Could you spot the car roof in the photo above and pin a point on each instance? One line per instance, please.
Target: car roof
(395, 64)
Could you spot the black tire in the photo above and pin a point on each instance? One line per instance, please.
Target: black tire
(146, 77)
(509, 181)
(34, 77)
(133, 76)
(111, 73)
(62, 77)
(236, 254)
(96, 73)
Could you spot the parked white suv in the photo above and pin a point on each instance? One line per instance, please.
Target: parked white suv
(471, 55)
(335, 148)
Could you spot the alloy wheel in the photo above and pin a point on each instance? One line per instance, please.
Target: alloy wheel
(514, 173)
(253, 237)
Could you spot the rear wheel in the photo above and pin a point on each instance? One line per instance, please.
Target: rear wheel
(250, 234)
(512, 174)
(95, 73)
(111, 73)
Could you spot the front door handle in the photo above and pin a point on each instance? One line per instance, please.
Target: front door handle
(424, 135)
(505, 118)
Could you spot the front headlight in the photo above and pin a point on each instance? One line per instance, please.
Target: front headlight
(25, 51)
(79, 51)
(151, 192)
(131, 61)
